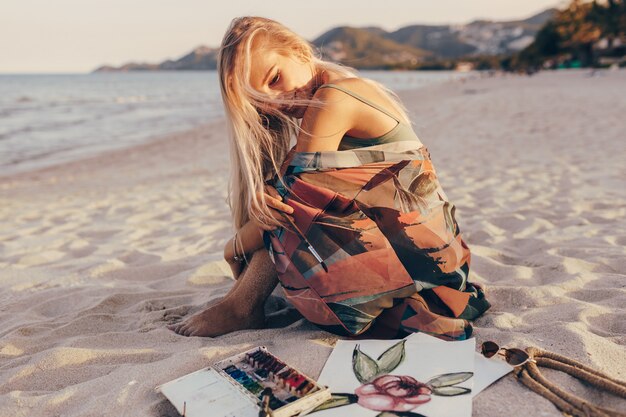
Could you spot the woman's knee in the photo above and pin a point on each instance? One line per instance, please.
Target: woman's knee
(262, 257)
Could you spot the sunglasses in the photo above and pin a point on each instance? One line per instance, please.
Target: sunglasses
(514, 356)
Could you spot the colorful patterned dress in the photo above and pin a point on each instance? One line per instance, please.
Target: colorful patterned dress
(378, 252)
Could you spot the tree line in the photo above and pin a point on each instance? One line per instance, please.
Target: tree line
(578, 35)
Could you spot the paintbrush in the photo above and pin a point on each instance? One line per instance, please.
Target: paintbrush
(265, 410)
(302, 237)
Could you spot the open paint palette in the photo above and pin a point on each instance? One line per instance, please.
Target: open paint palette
(236, 387)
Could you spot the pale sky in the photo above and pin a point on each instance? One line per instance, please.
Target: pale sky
(49, 36)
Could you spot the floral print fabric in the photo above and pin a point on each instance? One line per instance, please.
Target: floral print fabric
(386, 232)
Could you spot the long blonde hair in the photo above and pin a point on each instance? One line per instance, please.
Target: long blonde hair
(260, 140)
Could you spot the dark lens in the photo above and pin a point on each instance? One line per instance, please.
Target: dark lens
(489, 349)
(516, 356)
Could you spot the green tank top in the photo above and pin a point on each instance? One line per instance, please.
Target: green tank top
(400, 132)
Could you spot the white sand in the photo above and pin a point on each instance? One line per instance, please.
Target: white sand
(97, 256)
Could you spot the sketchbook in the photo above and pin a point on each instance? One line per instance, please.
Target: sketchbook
(420, 376)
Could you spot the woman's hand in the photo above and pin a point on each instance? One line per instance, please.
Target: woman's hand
(278, 209)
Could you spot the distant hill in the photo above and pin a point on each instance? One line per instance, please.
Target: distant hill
(366, 48)
(442, 41)
(376, 48)
(492, 38)
(201, 58)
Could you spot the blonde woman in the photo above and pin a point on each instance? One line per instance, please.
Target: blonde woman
(284, 103)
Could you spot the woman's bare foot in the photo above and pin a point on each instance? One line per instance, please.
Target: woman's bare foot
(220, 319)
(243, 306)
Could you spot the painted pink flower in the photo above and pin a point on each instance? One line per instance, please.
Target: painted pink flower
(393, 393)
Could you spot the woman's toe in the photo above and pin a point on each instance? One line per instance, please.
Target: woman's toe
(178, 328)
(182, 330)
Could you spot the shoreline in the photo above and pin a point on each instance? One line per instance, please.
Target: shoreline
(18, 169)
(110, 153)
(100, 254)
(164, 137)
(130, 117)
(107, 163)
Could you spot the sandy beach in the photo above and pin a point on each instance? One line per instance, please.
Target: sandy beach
(98, 256)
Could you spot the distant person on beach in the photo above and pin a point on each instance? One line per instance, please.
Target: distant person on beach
(391, 265)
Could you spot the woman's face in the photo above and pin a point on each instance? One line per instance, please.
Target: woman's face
(282, 77)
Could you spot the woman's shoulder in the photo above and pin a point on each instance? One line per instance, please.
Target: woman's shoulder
(370, 93)
(356, 84)
(336, 102)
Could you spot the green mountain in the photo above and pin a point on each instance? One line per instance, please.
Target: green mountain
(442, 41)
(366, 48)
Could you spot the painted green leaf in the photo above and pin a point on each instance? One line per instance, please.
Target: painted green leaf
(364, 367)
(337, 400)
(445, 380)
(450, 391)
(391, 358)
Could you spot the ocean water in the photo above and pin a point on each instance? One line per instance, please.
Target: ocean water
(46, 119)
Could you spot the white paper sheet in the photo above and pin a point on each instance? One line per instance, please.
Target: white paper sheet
(206, 392)
(422, 361)
(486, 371)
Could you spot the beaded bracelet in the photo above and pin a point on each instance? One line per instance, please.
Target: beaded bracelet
(236, 257)
(243, 253)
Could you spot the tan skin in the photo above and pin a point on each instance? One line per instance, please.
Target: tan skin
(277, 75)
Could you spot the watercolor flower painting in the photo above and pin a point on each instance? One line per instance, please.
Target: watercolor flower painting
(393, 395)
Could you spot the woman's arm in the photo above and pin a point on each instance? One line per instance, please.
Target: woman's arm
(249, 239)
(250, 235)
(326, 126)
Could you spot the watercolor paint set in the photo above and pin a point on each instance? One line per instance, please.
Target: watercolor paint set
(253, 383)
